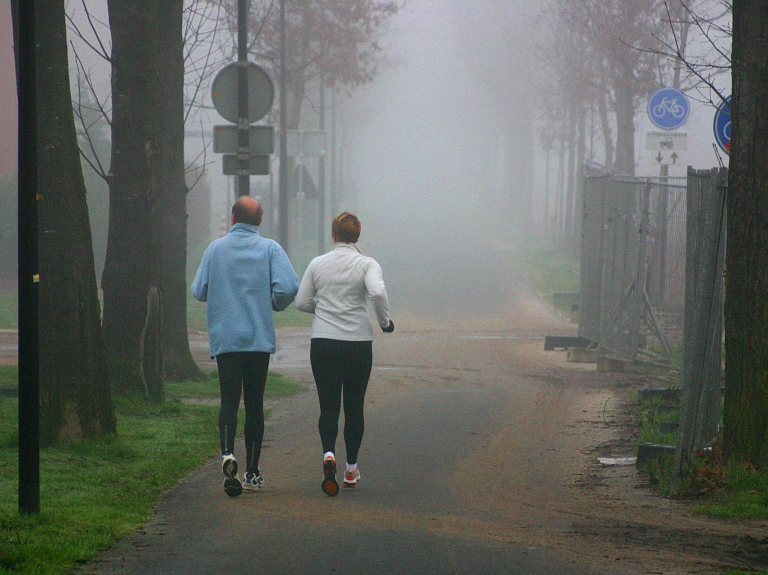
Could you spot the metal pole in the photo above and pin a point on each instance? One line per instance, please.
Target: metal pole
(283, 183)
(334, 179)
(321, 176)
(29, 353)
(243, 145)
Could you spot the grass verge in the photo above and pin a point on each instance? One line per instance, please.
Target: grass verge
(722, 489)
(546, 268)
(9, 315)
(96, 491)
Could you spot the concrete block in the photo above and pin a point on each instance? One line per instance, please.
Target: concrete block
(552, 342)
(582, 355)
(669, 426)
(649, 451)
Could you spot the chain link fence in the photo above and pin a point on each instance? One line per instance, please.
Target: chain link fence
(633, 266)
(652, 284)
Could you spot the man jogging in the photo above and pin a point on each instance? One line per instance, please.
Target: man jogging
(243, 277)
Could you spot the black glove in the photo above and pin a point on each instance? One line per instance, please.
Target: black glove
(390, 328)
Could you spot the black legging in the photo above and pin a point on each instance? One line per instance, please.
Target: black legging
(341, 366)
(246, 371)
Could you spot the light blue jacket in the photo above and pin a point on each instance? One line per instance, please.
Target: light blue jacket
(243, 277)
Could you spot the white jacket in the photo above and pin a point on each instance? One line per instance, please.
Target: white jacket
(336, 287)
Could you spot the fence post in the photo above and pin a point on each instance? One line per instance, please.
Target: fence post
(702, 332)
(591, 269)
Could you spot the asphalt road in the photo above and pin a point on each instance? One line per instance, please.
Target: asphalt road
(416, 508)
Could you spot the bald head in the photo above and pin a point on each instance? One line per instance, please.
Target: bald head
(247, 211)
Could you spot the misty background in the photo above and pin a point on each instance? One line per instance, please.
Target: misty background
(440, 156)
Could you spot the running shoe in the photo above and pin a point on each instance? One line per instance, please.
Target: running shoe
(232, 485)
(351, 477)
(330, 486)
(252, 481)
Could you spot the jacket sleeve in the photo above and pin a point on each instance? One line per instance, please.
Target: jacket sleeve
(377, 293)
(200, 283)
(305, 299)
(284, 281)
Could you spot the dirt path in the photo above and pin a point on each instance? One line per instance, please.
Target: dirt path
(480, 457)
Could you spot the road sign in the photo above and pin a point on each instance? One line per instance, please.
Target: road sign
(666, 140)
(668, 108)
(722, 125)
(258, 165)
(261, 92)
(261, 139)
(668, 158)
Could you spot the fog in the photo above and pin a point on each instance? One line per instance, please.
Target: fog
(434, 191)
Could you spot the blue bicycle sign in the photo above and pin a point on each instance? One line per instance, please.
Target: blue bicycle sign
(722, 125)
(668, 108)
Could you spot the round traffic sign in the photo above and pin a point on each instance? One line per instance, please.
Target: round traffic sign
(261, 92)
(668, 108)
(722, 125)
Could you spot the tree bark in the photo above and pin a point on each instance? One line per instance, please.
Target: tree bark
(132, 279)
(177, 358)
(746, 303)
(624, 161)
(75, 398)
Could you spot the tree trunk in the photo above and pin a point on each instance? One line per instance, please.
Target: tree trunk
(746, 303)
(132, 281)
(605, 127)
(177, 358)
(75, 398)
(625, 130)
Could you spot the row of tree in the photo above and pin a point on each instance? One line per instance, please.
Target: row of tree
(604, 59)
(141, 337)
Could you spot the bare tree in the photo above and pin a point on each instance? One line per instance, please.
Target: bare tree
(185, 43)
(76, 402)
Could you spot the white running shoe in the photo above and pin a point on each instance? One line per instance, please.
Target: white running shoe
(232, 485)
(351, 477)
(252, 481)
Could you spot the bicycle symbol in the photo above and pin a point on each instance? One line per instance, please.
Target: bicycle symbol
(668, 106)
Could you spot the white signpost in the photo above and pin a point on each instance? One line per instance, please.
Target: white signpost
(656, 140)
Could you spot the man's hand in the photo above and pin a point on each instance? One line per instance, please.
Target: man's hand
(390, 328)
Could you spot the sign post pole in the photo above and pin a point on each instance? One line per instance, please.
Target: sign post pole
(243, 160)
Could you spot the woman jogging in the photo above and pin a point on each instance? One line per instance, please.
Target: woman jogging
(336, 287)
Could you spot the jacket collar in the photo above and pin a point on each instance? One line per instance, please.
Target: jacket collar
(347, 246)
(245, 227)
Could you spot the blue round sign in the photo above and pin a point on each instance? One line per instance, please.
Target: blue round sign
(668, 108)
(722, 125)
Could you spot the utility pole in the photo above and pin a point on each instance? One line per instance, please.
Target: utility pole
(283, 182)
(321, 175)
(28, 286)
(243, 123)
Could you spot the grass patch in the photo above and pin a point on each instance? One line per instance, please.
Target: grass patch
(9, 376)
(547, 269)
(96, 491)
(277, 386)
(9, 314)
(649, 416)
(742, 493)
